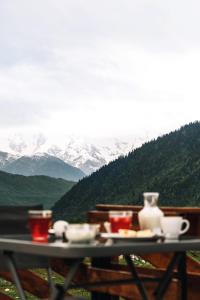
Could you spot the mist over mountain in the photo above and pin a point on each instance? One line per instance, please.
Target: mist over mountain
(40, 164)
(169, 165)
(6, 158)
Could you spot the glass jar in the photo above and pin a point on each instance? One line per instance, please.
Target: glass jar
(150, 215)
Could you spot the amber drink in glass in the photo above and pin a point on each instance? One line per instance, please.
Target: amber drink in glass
(120, 220)
(39, 223)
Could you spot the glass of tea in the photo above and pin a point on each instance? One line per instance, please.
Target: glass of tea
(39, 223)
(120, 220)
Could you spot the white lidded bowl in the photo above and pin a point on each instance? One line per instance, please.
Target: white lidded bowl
(81, 233)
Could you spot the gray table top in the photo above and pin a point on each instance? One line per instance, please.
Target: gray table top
(66, 250)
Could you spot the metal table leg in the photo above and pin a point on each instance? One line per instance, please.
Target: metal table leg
(138, 282)
(182, 274)
(50, 280)
(179, 260)
(165, 280)
(13, 269)
(60, 290)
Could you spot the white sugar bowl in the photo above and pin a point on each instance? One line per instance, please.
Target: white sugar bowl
(81, 233)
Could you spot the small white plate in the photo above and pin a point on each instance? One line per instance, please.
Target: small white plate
(116, 237)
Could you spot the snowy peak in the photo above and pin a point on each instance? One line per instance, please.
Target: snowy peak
(73, 151)
(89, 157)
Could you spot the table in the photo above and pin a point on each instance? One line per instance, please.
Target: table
(77, 252)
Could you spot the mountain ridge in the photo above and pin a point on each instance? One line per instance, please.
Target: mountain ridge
(169, 164)
(40, 164)
(74, 151)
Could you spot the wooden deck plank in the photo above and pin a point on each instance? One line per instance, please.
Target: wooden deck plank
(31, 283)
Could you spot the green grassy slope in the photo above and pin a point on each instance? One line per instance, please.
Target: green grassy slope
(27, 190)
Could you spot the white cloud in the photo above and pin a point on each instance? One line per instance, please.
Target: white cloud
(98, 69)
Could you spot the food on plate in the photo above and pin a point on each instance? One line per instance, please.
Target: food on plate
(127, 232)
(145, 233)
(133, 233)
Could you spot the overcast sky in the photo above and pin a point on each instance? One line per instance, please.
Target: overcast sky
(98, 69)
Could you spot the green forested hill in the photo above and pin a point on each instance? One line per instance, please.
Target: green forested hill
(169, 165)
(25, 190)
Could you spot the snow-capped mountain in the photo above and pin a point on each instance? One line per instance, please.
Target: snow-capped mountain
(86, 157)
(80, 154)
(43, 164)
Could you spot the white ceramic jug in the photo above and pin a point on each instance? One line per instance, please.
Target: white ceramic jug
(150, 215)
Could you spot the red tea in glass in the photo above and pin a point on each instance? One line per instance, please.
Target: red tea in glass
(120, 220)
(39, 224)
